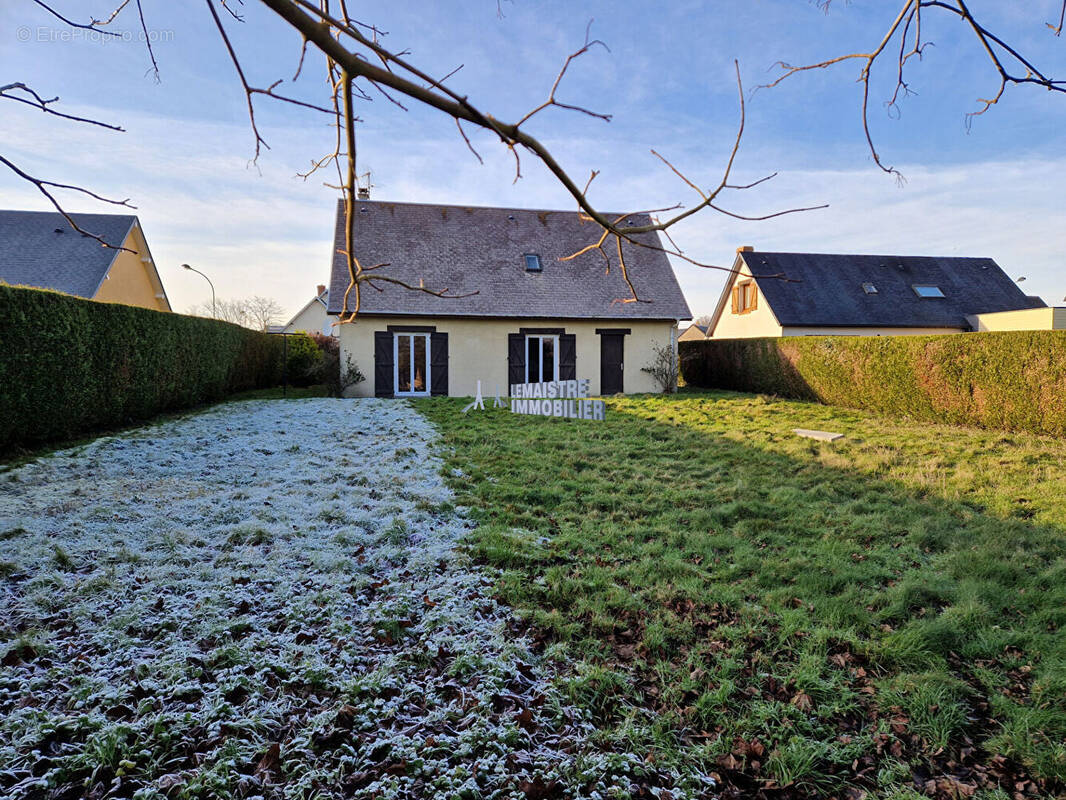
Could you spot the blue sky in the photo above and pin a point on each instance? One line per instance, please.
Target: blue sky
(667, 80)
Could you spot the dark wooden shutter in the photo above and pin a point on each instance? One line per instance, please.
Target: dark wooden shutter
(383, 364)
(567, 357)
(438, 364)
(516, 359)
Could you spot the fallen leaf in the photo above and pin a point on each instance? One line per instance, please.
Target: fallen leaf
(270, 760)
(802, 701)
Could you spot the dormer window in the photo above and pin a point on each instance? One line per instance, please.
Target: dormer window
(927, 291)
(532, 262)
(869, 288)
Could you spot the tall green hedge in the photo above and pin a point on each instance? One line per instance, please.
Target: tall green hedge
(69, 365)
(1013, 380)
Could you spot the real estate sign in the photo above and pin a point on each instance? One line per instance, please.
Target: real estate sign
(567, 399)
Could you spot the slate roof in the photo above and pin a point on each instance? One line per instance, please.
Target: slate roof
(829, 290)
(468, 248)
(32, 253)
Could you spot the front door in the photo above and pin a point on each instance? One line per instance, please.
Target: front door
(611, 346)
(411, 364)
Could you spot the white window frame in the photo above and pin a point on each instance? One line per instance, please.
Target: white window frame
(540, 355)
(411, 378)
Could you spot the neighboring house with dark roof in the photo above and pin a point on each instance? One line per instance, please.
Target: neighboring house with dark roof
(803, 294)
(533, 318)
(41, 249)
(312, 318)
(693, 333)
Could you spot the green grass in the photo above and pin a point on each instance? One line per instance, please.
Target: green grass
(878, 612)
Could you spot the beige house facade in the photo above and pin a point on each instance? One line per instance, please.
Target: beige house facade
(482, 350)
(312, 318)
(810, 294)
(1031, 319)
(40, 249)
(693, 333)
(515, 311)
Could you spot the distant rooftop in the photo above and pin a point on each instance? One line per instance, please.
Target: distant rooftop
(40, 248)
(883, 291)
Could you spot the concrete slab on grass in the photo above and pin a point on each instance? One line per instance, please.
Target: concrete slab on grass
(824, 436)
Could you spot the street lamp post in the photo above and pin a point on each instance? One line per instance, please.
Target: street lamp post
(214, 312)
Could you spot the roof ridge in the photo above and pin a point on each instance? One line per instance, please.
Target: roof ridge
(464, 206)
(857, 255)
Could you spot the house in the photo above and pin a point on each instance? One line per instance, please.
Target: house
(804, 294)
(1029, 319)
(312, 318)
(534, 317)
(41, 249)
(694, 333)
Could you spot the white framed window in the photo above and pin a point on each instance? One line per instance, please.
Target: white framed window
(927, 291)
(542, 358)
(411, 367)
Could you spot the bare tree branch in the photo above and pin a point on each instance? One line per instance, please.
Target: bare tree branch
(92, 25)
(36, 101)
(43, 186)
(999, 52)
(351, 47)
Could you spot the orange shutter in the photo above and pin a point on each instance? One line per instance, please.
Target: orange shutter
(754, 291)
(735, 294)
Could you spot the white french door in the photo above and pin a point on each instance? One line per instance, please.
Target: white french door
(410, 358)
(542, 358)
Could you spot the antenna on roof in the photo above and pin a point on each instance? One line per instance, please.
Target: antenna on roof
(363, 192)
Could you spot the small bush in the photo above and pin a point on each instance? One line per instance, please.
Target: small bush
(1014, 380)
(304, 356)
(328, 368)
(70, 365)
(663, 368)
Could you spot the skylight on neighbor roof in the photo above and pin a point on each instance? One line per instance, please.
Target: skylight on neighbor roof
(927, 291)
(532, 262)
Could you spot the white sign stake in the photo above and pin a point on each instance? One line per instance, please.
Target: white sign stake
(479, 401)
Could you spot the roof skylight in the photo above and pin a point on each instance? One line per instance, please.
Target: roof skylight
(927, 291)
(532, 262)
(869, 288)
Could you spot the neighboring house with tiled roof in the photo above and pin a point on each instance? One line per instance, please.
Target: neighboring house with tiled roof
(312, 318)
(41, 249)
(803, 294)
(693, 333)
(533, 318)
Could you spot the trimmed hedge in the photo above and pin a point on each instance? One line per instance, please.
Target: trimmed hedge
(1013, 380)
(69, 365)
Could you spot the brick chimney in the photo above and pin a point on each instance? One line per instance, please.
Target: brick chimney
(747, 248)
(321, 290)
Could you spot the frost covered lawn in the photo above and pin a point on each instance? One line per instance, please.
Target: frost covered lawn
(267, 599)
(883, 616)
